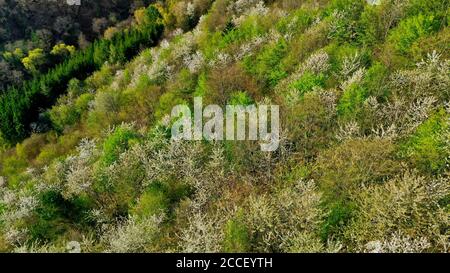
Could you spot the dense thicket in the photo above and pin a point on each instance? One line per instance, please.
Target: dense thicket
(363, 163)
(26, 25)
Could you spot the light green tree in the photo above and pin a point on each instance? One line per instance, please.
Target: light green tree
(34, 60)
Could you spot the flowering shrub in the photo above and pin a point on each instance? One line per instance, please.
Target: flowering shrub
(363, 158)
(134, 235)
(408, 204)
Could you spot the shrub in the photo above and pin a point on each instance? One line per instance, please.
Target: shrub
(237, 237)
(31, 147)
(116, 143)
(58, 147)
(351, 101)
(354, 163)
(310, 121)
(152, 202)
(369, 26)
(297, 22)
(344, 16)
(308, 82)
(424, 45)
(63, 115)
(223, 82)
(21, 106)
(203, 234)
(314, 38)
(54, 214)
(267, 64)
(376, 81)
(408, 204)
(166, 102)
(428, 147)
(283, 222)
(340, 214)
(410, 30)
(240, 98)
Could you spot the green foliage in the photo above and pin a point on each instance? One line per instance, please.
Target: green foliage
(369, 29)
(116, 143)
(297, 21)
(3, 144)
(404, 205)
(362, 163)
(340, 213)
(152, 202)
(428, 147)
(185, 83)
(311, 123)
(237, 238)
(348, 166)
(339, 53)
(240, 98)
(351, 101)
(145, 17)
(69, 109)
(230, 36)
(308, 82)
(63, 115)
(13, 168)
(20, 106)
(53, 215)
(344, 15)
(410, 30)
(435, 7)
(267, 64)
(62, 50)
(35, 59)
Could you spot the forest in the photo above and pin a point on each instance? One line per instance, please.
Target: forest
(19, 107)
(88, 162)
(33, 28)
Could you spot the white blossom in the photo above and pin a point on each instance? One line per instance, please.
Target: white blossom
(134, 235)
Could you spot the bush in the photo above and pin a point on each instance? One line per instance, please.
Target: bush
(340, 214)
(134, 236)
(308, 82)
(297, 22)
(119, 141)
(240, 98)
(310, 121)
(288, 221)
(222, 83)
(407, 204)
(410, 30)
(19, 107)
(63, 115)
(267, 64)
(54, 215)
(428, 147)
(350, 103)
(69, 110)
(166, 102)
(345, 14)
(31, 147)
(152, 202)
(237, 239)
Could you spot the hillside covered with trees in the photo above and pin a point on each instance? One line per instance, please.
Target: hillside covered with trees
(86, 156)
(31, 29)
